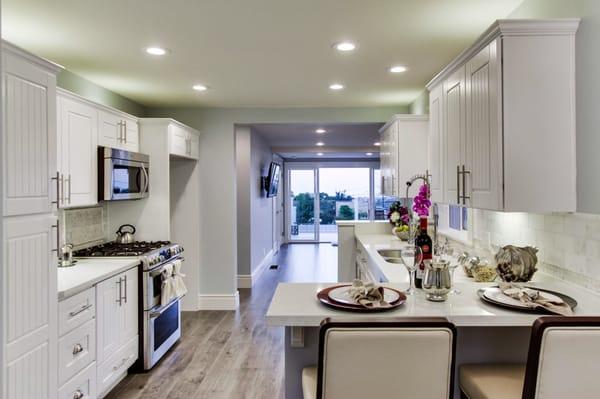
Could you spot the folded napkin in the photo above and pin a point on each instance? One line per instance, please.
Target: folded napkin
(533, 299)
(368, 295)
(178, 284)
(167, 291)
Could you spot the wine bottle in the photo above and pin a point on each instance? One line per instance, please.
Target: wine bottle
(423, 241)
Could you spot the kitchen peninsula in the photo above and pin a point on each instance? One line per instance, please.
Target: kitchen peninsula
(486, 333)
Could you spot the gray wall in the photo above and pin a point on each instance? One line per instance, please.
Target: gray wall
(588, 88)
(91, 91)
(218, 174)
(242, 163)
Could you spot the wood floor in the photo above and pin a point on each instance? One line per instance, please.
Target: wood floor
(227, 354)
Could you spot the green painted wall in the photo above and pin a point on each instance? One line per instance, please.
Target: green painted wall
(421, 104)
(91, 91)
(588, 88)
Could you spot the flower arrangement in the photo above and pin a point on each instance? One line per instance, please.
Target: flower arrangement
(421, 202)
(398, 214)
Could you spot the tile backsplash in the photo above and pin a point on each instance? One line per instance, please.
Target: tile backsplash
(569, 244)
(83, 227)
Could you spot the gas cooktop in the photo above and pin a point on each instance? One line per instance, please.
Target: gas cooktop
(137, 248)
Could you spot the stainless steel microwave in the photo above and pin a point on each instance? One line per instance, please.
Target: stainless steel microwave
(122, 175)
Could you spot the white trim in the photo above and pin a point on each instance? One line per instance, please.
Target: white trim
(506, 28)
(248, 280)
(404, 117)
(165, 122)
(60, 92)
(48, 65)
(219, 302)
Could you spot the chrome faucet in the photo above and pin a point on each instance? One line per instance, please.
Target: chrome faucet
(436, 220)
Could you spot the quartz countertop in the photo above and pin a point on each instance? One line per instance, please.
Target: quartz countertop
(296, 304)
(89, 271)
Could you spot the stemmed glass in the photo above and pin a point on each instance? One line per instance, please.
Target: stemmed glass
(411, 258)
(446, 254)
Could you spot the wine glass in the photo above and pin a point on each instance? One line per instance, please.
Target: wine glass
(447, 253)
(411, 258)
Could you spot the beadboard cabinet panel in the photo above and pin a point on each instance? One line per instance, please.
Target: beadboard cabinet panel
(434, 156)
(30, 137)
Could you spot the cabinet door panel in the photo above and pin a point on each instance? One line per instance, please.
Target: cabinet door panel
(108, 316)
(110, 131)
(454, 136)
(131, 138)
(77, 150)
(177, 140)
(435, 146)
(129, 307)
(483, 129)
(30, 137)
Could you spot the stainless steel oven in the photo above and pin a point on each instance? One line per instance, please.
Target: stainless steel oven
(122, 175)
(161, 323)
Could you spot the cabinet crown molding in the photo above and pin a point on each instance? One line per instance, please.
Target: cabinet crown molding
(48, 65)
(165, 122)
(509, 28)
(403, 117)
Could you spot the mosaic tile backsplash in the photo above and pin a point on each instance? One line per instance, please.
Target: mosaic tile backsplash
(83, 227)
(569, 244)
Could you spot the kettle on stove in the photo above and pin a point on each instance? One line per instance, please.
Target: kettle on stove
(125, 237)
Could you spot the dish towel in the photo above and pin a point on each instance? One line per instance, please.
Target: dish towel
(178, 284)
(534, 299)
(167, 290)
(368, 295)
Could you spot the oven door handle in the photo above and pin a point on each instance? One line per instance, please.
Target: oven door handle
(159, 269)
(155, 313)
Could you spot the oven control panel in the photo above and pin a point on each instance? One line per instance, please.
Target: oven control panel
(161, 255)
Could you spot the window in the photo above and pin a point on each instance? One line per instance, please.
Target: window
(381, 203)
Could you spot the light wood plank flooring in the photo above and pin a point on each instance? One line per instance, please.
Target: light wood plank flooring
(226, 354)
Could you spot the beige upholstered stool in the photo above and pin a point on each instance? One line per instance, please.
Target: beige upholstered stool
(564, 354)
(412, 358)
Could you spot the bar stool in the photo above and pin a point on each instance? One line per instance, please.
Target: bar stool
(563, 359)
(412, 358)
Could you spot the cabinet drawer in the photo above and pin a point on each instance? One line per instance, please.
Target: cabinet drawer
(110, 371)
(82, 386)
(76, 350)
(76, 310)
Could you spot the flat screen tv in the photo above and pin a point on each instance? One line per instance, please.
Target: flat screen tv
(272, 183)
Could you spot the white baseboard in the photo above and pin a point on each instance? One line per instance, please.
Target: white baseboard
(219, 302)
(247, 280)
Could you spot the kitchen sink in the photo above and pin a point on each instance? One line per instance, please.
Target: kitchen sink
(393, 260)
(389, 253)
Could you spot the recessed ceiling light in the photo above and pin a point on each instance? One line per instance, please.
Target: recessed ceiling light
(156, 50)
(320, 131)
(200, 87)
(336, 86)
(369, 154)
(344, 46)
(377, 144)
(320, 154)
(320, 144)
(398, 69)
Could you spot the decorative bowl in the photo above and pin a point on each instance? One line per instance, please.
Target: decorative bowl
(484, 274)
(403, 235)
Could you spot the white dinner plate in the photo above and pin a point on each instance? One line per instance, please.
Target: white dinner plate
(341, 295)
(496, 295)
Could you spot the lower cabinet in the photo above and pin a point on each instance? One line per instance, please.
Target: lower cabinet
(98, 337)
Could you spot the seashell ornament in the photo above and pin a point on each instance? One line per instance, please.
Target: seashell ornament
(516, 264)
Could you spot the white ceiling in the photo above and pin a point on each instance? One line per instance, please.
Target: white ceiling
(340, 140)
(252, 53)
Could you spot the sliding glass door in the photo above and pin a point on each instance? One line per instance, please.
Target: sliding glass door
(320, 194)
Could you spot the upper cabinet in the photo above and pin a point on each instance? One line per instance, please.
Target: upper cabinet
(503, 120)
(403, 152)
(183, 141)
(77, 153)
(118, 130)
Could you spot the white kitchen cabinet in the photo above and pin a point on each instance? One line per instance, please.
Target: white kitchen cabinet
(117, 130)
(29, 295)
(404, 149)
(77, 151)
(434, 156)
(508, 119)
(117, 326)
(183, 141)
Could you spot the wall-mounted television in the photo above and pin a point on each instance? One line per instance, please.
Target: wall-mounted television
(272, 181)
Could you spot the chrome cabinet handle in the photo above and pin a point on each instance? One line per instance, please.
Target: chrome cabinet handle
(82, 309)
(62, 188)
(457, 185)
(125, 131)
(120, 300)
(115, 368)
(78, 394)
(464, 173)
(120, 134)
(57, 227)
(125, 297)
(77, 349)
(69, 189)
(57, 178)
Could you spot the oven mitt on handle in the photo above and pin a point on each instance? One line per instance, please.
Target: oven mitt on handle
(167, 289)
(178, 284)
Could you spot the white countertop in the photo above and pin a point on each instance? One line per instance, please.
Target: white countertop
(296, 304)
(88, 272)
